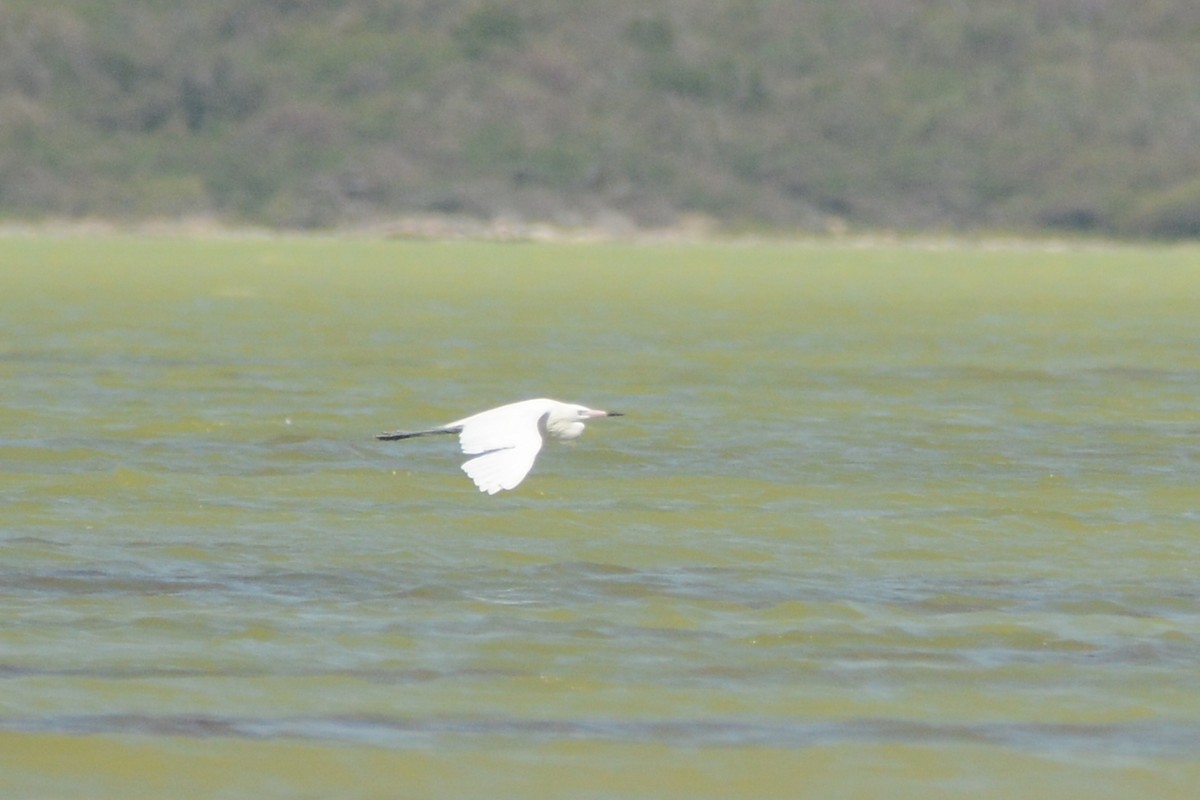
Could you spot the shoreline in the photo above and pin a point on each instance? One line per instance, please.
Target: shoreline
(691, 230)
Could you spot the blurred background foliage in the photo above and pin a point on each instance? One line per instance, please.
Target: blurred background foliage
(1028, 115)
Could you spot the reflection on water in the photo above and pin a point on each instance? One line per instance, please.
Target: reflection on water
(928, 518)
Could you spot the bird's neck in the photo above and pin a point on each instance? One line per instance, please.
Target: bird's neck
(563, 429)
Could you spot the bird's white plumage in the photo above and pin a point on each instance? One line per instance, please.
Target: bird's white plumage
(504, 427)
(506, 440)
(502, 469)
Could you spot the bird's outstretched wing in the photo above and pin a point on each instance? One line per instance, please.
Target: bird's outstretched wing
(500, 428)
(505, 441)
(503, 469)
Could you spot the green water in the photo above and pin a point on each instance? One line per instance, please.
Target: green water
(879, 522)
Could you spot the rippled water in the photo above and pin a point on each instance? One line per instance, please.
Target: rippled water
(889, 521)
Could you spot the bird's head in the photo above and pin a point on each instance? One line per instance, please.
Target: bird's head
(566, 421)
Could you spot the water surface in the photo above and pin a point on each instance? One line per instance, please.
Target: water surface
(881, 521)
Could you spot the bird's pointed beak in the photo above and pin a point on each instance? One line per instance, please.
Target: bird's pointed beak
(607, 414)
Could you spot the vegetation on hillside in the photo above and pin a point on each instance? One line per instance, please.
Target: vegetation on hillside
(1019, 114)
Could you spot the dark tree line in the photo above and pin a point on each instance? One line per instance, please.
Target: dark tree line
(1080, 115)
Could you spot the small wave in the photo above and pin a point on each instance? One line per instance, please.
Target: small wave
(1142, 739)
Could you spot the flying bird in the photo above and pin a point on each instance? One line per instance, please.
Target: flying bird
(505, 441)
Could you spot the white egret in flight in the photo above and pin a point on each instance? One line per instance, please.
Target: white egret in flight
(506, 440)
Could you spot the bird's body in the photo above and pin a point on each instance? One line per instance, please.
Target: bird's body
(506, 440)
